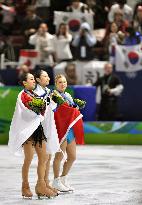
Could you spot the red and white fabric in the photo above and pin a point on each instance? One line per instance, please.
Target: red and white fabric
(67, 117)
(25, 122)
(29, 57)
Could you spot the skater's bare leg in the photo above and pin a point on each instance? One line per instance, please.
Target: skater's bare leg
(71, 157)
(41, 188)
(42, 159)
(57, 160)
(28, 156)
(46, 178)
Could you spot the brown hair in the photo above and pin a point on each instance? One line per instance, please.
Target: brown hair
(58, 32)
(23, 77)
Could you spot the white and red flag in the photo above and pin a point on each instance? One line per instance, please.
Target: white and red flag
(67, 117)
(74, 20)
(127, 58)
(29, 57)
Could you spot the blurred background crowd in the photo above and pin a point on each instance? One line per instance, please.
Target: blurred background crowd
(65, 36)
(36, 24)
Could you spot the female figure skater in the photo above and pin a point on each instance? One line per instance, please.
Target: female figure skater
(41, 90)
(70, 132)
(28, 132)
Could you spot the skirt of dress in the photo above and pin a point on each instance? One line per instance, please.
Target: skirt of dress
(37, 137)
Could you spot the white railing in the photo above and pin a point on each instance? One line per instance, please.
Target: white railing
(5, 62)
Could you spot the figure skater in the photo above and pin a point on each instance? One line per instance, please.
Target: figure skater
(41, 90)
(29, 133)
(70, 132)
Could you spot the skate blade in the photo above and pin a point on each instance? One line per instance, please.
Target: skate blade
(71, 191)
(27, 198)
(64, 192)
(44, 197)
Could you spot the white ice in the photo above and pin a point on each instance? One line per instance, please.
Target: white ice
(101, 175)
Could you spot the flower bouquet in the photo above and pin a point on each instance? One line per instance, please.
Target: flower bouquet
(80, 103)
(57, 98)
(37, 105)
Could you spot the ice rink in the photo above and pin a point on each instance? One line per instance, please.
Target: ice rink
(101, 175)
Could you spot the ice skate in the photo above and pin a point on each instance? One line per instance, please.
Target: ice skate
(51, 188)
(57, 184)
(42, 191)
(26, 192)
(65, 183)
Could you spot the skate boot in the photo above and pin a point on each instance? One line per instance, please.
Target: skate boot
(65, 183)
(42, 191)
(57, 184)
(50, 187)
(26, 192)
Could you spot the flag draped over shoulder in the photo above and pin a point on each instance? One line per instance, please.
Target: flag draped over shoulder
(25, 122)
(67, 117)
(128, 58)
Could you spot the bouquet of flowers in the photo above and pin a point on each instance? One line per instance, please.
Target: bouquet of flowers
(80, 103)
(37, 105)
(57, 98)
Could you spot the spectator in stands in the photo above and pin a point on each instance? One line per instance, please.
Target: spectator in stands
(77, 6)
(120, 22)
(119, 26)
(8, 14)
(70, 73)
(137, 23)
(61, 43)
(127, 10)
(111, 88)
(7, 49)
(113, 36)
(42, 8)
(84, 42)
(42, 41)
(139, 3)
(30, 23)
(131, 37)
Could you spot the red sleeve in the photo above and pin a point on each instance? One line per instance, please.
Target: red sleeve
(25, 99)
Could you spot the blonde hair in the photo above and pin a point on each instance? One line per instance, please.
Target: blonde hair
(58, 77)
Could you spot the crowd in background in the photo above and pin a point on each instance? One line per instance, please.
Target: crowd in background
(29, 24)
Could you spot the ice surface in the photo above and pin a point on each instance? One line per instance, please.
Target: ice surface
(101, 175)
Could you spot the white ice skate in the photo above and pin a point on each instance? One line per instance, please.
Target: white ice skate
(65, 183)
(57, 184)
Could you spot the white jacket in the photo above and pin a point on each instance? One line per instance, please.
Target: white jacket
(43, 44)
(61, 47)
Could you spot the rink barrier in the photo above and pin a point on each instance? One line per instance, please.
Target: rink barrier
(95, 132)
